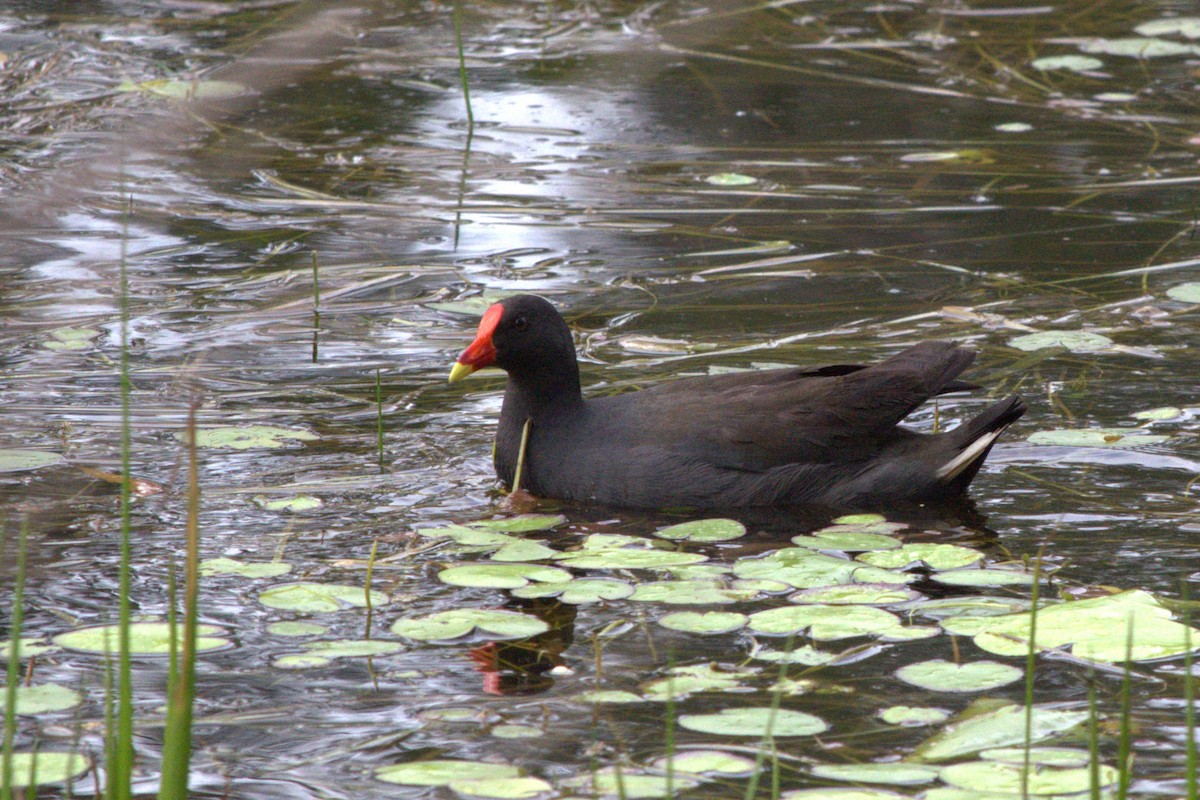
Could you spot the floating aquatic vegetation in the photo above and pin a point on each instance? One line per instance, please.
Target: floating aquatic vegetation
(944, 676)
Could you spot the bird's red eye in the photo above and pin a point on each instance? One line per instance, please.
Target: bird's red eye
(521, 323)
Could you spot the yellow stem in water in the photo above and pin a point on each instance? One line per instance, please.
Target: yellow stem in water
(521, 456)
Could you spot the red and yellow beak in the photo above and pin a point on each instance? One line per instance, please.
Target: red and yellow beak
(481, 352)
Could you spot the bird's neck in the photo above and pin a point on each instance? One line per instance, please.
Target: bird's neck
(539, 395)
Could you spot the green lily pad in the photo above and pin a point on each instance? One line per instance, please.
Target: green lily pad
(301, 661)
(911, 633)
(176, 89)
(897, 773)
(758, 722)
(70, 338)
(43, 698)
(944, 676)
(309, 598)
(1094, 629)
(965, 607)
(501, 576)
(25, 460)
(442, 772)
(1139, 47)
(501, 788)
(912, 716)
(145, 638)
(825, 623)
(1187, 27)
(985, 577)
(936, 556)
(1047, 756)
(807, 655)
(524, 550)
(296, 628)
(690, 593)
(615, 696)
(700, 572)
(704, 530)
(1161, 414)
(1185, 292)
(1004, 778)
(525, 523)
(683, 681)
(510, 731)
(847, 541)
(1002, 727)
(867, 594)
(1075, 341)
(444, 625)
(1097, 437)
(807, 569)
(354, 648)
(580, 591)
(730, 179)
(708, 763)
(28, 646)
(627, 558)
(299, 502)
(707, 622)
(246, 437)
(1014, 127)
(860, 519)
(47, 767)
(1070, 63)
(258, 569)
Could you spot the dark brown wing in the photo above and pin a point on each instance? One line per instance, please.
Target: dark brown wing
(758, 420)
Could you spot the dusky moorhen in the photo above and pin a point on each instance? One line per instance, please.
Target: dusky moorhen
(825, 435)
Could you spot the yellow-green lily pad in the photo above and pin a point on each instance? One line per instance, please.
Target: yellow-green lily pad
(525, 523)
(704, 530)
(308, 598)
(299, 502)
(455, 623)
(730, 179)
(825, 623)
(580, 591)
(936, 556)
(1095, 629)
(690, 593)
(246, 437)
(70, 338)
(43, 698)
(1075, 341)
(501, 788)
(779, 722)
(1001, 727)
(939, 675)
(865, 594)
(25, 460)
(707, 622)
(896, 773)
(1003, 778)
(145, 638)
(442, 772)
(806, 569)
(912, 716)
(244, 569)
(707, 763)
(46, 767)
(1097, 437)
(501, 576)
(1185, 292)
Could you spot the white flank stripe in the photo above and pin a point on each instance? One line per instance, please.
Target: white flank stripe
(951, 469)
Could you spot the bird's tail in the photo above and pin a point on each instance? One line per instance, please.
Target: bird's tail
(973, 441)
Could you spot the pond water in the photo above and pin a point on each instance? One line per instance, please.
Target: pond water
(698, 187)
